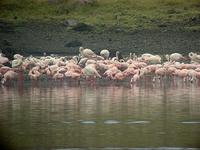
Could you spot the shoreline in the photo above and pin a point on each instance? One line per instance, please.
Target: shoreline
(57, 38)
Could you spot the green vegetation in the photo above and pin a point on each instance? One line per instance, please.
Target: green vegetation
(134, 14)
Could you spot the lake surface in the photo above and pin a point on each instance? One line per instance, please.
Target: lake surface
(62, 115)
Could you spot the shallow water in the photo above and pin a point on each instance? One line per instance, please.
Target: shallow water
(63, 115)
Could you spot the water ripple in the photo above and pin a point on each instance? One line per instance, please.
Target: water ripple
(88, 122)
(191, 122)
(111, 122)
(67, 122)
(137, 122)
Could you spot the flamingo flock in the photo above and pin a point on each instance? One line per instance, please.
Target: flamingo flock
(90, 66)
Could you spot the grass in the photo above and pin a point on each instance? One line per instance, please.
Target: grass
(134, 14)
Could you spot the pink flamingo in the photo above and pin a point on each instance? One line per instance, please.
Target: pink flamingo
(110, 73)
(160, 72)
(34, 73)
(72, 74)
(182, 73)
(129, 71)
(58, 76)
(119, 76)
(90, 72)
(136, 77)
(4, 69)
(88, 53)
(9, 75)
(3, 59)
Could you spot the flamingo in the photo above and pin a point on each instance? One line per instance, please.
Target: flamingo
(34, 73)
(72, 74)
(90, 71)
(105, 53)
(174, 57)
(153, 59)
(135, 77)
(182, 73)
(110, 73)
(119, 76)
(3, 59)
(18, 60)
(160, 72)
(88, 53)
(116, 58)
(9, 75)
(4, 69)
(129, 71)
(18, 56)
(146, 55)
(192, 75)
(132, 58)
(58, 76)
(194, 57)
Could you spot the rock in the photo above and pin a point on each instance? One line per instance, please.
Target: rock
(77, 26)
(70, 22)
(82, 27)
(74, 43)
(162, 25)
(195, 19)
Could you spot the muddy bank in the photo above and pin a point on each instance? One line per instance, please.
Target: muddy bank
(36, 38)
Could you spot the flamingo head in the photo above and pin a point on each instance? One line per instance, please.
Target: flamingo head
(191, 54)
(167, 57)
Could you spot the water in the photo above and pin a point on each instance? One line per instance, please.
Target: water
(111, 115)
